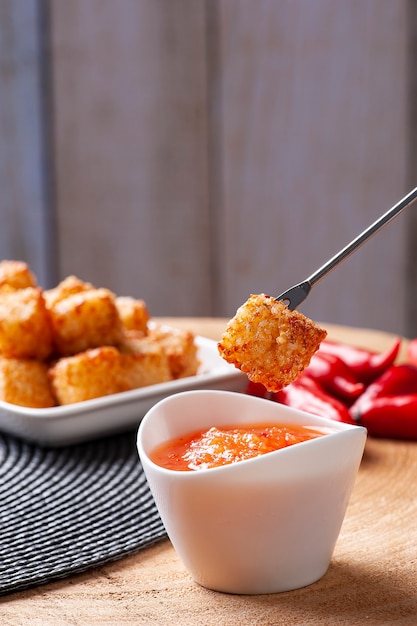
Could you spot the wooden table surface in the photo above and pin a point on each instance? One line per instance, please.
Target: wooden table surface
(372, 578)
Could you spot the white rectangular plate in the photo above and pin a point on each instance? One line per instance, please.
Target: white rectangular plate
(74, 423)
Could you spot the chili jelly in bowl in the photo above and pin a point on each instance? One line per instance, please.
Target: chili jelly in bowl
(265, 524)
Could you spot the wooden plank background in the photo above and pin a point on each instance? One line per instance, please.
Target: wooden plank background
(315, 153)
(25, 211)
(206, 149)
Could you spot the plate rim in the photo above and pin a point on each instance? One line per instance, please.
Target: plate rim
(32, 423)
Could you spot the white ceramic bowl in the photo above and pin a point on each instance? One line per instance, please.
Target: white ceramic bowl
(264, 525)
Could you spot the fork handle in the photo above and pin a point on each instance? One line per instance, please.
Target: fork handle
(360, 239)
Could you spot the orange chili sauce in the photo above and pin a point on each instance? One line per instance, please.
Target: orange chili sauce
(222, 446)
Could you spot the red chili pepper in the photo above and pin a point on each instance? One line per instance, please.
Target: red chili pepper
(411, 354)
(307, 395)
(397, 380)
(393, 417)
(388, 407)
(366, 365)
(257, 389)
(335, 376)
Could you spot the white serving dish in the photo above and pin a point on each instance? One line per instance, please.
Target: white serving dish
(74, 423)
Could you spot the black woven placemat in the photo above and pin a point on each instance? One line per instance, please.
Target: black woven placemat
(65, 510)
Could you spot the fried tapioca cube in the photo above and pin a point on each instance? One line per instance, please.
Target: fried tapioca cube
(133, 313)
(270, 343)
(84, 320)
(145, 364)
(67, 287)
(25, 329)
(180, 348)
(133, 341)
(25, 382)
(91, 374)
(15, 275)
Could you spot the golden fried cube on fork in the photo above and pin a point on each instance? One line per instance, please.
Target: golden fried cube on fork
(15, 275)
(145, 362)
(84, 320)
(269, 342)
(91, 374)
(25, 329)
(25, 382)
(180, 348)
(133, 313)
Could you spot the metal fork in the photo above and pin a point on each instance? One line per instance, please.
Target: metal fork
(297, 294)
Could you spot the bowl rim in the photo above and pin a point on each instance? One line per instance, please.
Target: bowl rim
(295, 416)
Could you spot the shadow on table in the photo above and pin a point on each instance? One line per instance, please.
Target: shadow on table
(348, 594)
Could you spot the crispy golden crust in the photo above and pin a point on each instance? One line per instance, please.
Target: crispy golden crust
(134, 342)
(67, 287)
(90, 374)
(270, 343)
(145, 363)
(85, 320)
(15, 275)
(104, 371)
(180, 348)
(25, 329)
(133, 313)
(25, 382)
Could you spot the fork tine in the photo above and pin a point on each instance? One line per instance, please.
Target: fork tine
(297, 294)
